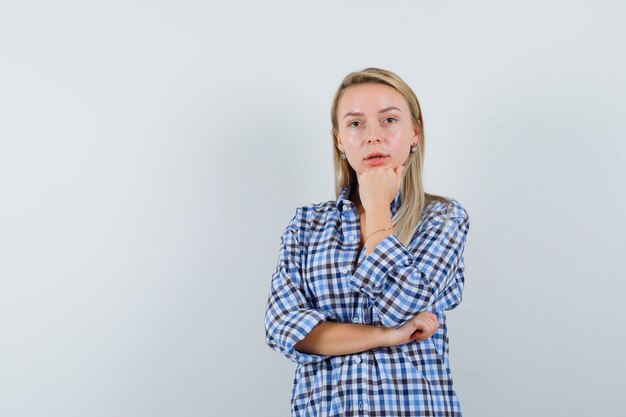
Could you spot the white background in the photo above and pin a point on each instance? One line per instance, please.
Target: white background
(151, 154)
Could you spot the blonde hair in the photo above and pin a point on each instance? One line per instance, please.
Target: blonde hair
(412, 195)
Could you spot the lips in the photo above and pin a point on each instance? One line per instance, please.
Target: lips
(375, 155)
(376, 159)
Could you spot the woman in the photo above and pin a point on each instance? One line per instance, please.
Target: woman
(360, 290)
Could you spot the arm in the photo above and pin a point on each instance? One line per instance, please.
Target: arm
(288, 317)
(400, 283)
(330, 338)
(290, 323)
(378, 218)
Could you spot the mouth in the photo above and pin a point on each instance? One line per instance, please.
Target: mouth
(375, 155)
(376, 158)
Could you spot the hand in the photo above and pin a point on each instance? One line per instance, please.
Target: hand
(420, 327)
(379, 186)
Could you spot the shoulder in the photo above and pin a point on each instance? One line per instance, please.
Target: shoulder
(437, 211)
(312, 215)
(438, 208)
(440, 218)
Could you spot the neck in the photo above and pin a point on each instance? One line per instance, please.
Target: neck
(355, 198)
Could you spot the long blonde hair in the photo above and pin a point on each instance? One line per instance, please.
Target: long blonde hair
(412, 195)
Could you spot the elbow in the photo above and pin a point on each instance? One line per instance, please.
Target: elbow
(289, 340)
(273, 341)
(277, 340)
(269, 340)
(272, 327)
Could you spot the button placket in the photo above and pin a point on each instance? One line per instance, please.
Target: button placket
(367, 310)
(348, 225)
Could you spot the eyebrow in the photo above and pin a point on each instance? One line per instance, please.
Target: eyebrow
(382, 111)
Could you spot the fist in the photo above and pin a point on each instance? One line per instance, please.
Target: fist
(420, 327)
(424, 326)
(379, 186)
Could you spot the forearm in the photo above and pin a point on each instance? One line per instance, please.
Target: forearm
(331, 338)
(378, 217)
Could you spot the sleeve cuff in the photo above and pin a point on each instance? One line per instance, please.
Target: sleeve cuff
(302, 322)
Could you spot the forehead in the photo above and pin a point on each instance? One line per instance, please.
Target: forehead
(370, 97)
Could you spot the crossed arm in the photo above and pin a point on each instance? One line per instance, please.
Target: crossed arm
(403, 287)
(332, 338)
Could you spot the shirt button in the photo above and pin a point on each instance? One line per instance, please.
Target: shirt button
(344, 270)
(355, 319)
(352, 238)
(358, 359)
(360, 405)
(346, 207)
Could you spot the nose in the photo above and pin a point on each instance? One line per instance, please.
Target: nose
(373, 135)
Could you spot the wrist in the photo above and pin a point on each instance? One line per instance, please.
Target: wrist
(378, 217)
(377, 208)
(383, 232)
(385, 336)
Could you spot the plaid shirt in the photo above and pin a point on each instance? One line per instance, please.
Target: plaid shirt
(317, 279)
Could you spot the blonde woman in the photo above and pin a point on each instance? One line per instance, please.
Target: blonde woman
(362, 283)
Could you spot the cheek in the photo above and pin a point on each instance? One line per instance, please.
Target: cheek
(350, 139)
(400, 155)
(401, 145)
(350, 133)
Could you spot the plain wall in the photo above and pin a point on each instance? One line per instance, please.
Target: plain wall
(151, 154)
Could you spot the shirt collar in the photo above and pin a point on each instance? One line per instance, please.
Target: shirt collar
(345, 193)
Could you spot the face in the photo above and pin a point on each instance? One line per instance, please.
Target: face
(374, 119)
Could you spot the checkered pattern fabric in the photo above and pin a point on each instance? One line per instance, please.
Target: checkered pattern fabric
(317, 279)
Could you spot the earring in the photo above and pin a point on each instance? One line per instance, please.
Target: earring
(413, 148)
(343, 156)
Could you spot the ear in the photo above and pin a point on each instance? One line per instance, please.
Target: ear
(416, 134)
(338, 140)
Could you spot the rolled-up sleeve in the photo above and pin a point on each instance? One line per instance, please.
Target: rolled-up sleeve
(288, 315)
(400, 282)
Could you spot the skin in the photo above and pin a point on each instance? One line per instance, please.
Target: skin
(372, 118)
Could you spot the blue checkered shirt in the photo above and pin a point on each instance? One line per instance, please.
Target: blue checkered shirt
(317, 279)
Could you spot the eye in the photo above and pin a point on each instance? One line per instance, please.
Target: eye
(391, 120)
(354, 123)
